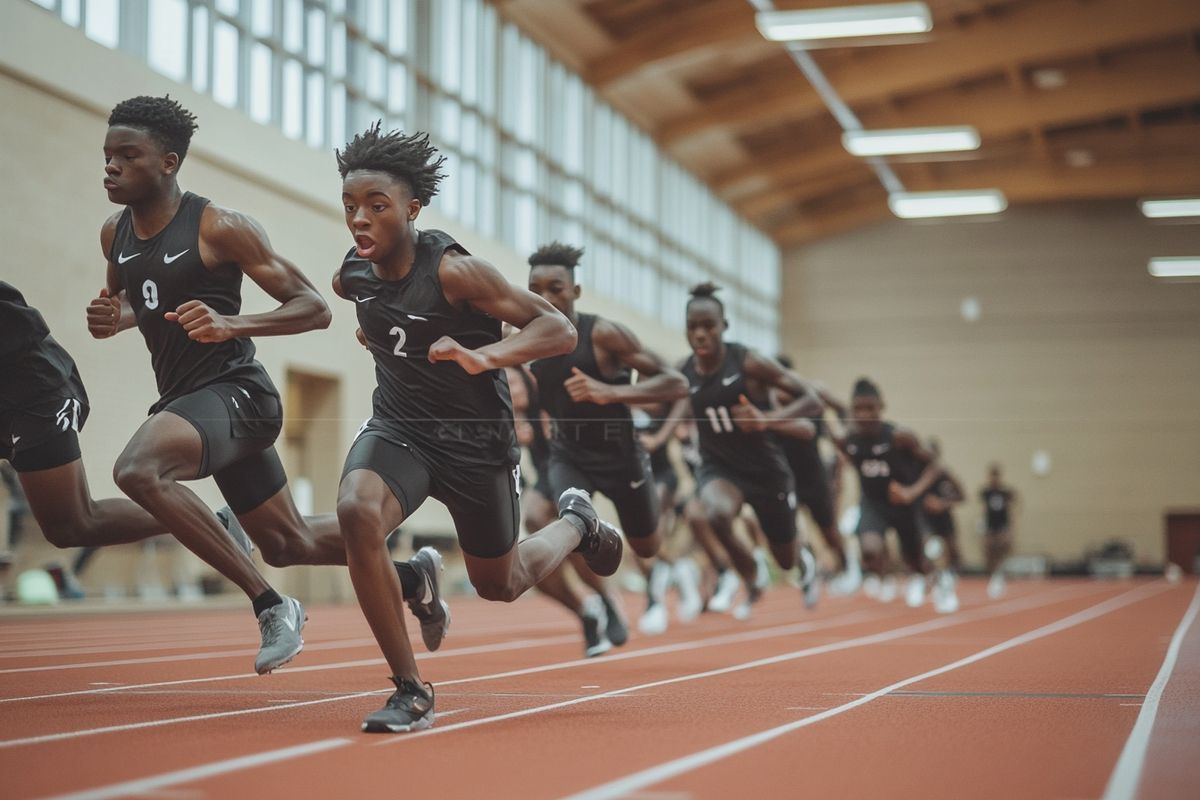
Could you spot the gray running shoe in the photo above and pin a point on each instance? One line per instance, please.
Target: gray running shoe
(281, 641)
(234, 529)
(410, 708)
(432, 611)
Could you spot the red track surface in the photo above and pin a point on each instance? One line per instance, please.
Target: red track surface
(856, 699)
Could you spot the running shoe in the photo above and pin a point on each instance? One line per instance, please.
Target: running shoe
(280, 626)
(914, 595)
(995, 589)
(410, 708)
(654, 621)
(430, 610)
(727, 587)
(945, 595)
(762, 569)
(810, 580)
(887, 589)
(601, 544)
(617, 628)
(686, 576)
(595, 623)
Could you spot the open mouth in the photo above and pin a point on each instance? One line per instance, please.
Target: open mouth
(365, 246)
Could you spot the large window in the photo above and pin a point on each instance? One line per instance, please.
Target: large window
(533, 154)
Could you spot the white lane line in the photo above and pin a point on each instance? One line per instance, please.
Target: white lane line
(145, 785)
(1128, 771)
(845, 644)
(649, 777)
(519, 644)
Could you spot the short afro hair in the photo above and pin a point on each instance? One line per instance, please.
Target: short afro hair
(706, 291)
(556, 254)
(169, 123)
(865, 387)
(411, 159)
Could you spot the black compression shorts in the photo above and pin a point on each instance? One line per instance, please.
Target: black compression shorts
(629, 484)
(43, 434)
(774, 505)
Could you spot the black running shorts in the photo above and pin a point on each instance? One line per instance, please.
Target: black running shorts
(941, 525)
(238, 426)
(906, 520)
(43, 434)
(482, 500)
(773, 501)
(629, 484)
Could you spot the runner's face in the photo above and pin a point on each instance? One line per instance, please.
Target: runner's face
(556, 285)
(379, 210)
(868, 413)
(705, 327)
(135, 165)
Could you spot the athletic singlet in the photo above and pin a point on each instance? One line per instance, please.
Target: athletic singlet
(996, 501)
(722, 443)
(442, 412)
(804, 456)
(32, 364)
(587, 430)
(879, 462)
(160, 274)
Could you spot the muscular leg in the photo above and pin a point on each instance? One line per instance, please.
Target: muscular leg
(539, 512)
(165, 450)
(69, 517)
(286, 538)
(996, 549)
(704, 536)
(874, 552)
(367, 511)
(507, 577)
(721, 501)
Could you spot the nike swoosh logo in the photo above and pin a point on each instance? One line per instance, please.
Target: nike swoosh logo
(415, 317)
(729, 381)
(363, 299)
(291, 625)
(16, 439)
(121, 259)
(428, 599)
(637, 484)
(170, 259)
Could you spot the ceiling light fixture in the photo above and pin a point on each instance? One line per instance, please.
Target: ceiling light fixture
(845, 22)
(901, 141)
(1175, 267)
(918, 205)
(1165, 207)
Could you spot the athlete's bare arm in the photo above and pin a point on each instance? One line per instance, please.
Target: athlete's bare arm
(617, 345)
(906, 495)
(110, 312)
(542, 331)
(230, 237)
(764, 374)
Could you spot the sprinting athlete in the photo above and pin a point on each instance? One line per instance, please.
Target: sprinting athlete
(175, 267)
(742, 462)
(599, 614)
(999, 501)
(442, 422)
(938, 507)
(587, 394)
(894, 471)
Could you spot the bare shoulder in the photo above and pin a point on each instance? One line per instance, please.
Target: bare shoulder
(218, 223)
(108, 231)
(465, 276)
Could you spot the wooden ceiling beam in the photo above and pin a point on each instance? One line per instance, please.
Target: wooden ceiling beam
(673, 36)
(1040, 31)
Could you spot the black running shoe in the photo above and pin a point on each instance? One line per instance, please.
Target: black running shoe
(617, 629)
(431, 611)
(593, 614)
(601, 545)
(410, 708)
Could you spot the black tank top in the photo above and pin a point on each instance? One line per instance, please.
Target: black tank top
(584, 431)
(160, 274)
(721, 442)
(650, 423)
(443, 413)
(804, 456)
(879, 462)
(996, 502)
(32, 364)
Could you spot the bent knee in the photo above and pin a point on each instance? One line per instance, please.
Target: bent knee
(135, 479)
(497, 591)
(63, 534)
(361, 522)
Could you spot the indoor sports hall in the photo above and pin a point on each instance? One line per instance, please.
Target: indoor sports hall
(761, 399)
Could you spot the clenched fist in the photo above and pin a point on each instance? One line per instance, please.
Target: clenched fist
(104, 315)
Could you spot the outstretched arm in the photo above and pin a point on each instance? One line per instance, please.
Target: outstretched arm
(657, 382)
(542, 332)
(789, 418)
(230, 237)
(907, 495)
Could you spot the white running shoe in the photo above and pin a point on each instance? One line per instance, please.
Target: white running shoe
(687, 582)
(996, 587)
(659, 581)
(872, 586)
(762, 573)
(727, 587)
(742, 611)
(847, 583)
(887, 589)
(654, 621)
(945, 594)
(810, 580)
(914, 595)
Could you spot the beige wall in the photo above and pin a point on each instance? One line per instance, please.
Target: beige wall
(56, 88)
(1078, 351)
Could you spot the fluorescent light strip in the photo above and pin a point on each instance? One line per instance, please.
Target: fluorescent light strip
(1161, 208)
(899, 141)
(917, 205)
(1175, 267)
(845, 22)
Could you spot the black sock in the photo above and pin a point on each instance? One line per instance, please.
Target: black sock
(268, 599)
(410, 580)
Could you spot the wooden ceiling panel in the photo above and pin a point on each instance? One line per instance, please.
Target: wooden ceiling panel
(1063, 92)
